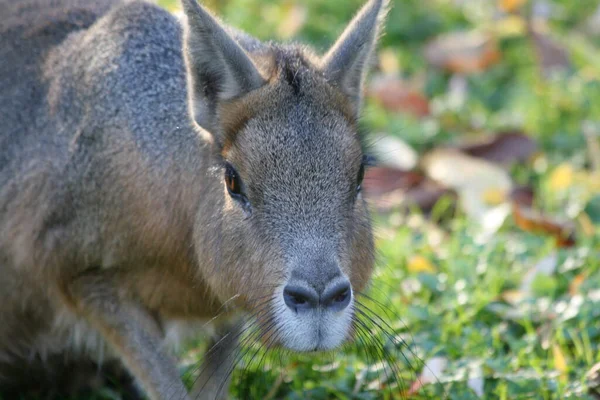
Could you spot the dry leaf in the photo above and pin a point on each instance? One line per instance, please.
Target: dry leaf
(461, 171)
(551, 56)
(471, 178)
(522, 195)
(418, 264)
(393, 152)
(503, 148)
(396, 95)
(381, 180)
(533, 221)
(575, 284)
(423, 196)
(511, 26)
(561, 177)
(388, 188)
(494, 196)
(463, 52)
(511, 6)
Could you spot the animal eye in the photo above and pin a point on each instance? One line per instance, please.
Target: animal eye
(232, 181)
(361, 176)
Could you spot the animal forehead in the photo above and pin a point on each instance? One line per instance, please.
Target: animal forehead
(299, 137)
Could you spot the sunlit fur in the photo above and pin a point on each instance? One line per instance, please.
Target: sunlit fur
(115, 221)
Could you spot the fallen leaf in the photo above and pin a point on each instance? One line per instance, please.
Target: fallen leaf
(494, 196)
(533, 221)
(419, 263)
(503, 148)
(393, 152)
(461, 171)
(471, 178)
(389, 188)
(380, 180)
(463, 52)
(561, 177)
(575, 284)
(512, 296)
(510, 26)
(396, 95)
(511, 6)
(522, 195)
(551, 56)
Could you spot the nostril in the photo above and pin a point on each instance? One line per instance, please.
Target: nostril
(298, 298)
(340, 298)
(337, 297)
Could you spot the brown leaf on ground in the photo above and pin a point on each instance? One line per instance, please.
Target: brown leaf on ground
(523, 196)
(551, 56)
(463, 52)
(533, 221)
(503, 148)
(389, 188)
(396, 95)
(381, 180)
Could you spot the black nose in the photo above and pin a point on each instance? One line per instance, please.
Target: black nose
(335, 297)
(300, 299)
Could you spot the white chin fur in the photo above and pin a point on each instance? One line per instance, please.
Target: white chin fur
(316, 330)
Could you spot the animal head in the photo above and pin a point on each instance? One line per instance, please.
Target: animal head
(295, 241)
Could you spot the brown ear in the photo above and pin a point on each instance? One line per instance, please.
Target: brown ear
(218, 68)
(345, 64)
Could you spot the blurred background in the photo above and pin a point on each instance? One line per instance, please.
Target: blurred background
(484, 116)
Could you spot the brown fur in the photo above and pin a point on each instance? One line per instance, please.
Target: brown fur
(115, 223)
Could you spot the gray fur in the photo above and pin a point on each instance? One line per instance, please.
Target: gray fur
(115, 222)
(345, 63)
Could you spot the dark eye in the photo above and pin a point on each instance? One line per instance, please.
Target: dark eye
(360, 177)
(232, 180)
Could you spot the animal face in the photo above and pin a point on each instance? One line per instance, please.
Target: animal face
(296, 244)
(293, 176)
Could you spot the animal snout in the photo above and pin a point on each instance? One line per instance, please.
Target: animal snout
(300, 297)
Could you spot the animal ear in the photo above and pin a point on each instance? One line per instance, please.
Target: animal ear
(346, 63)
(218, 68)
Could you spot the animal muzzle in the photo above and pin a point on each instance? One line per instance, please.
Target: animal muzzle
(315, 306)
(301, 296)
